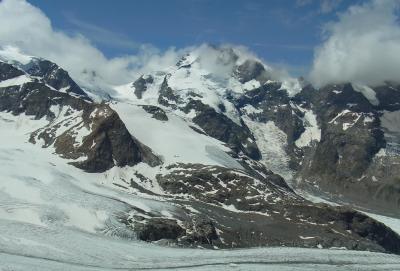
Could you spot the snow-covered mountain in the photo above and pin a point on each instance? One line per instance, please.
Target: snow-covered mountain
(218, 151)
(325, 140)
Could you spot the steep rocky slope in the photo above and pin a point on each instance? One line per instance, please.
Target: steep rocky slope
(357, 158)
(90, 134)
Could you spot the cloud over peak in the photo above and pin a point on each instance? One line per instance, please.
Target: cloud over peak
(363, 46)
(24, 26)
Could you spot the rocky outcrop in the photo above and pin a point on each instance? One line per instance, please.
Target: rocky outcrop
(219, 126)
(251, 70)
(54, 76)
(141, 85)
(155, 229)
(346, 162)
(388, 96)
(156, 112)
(108, 144)
(91, 135)
(8, 71)
(167, 97)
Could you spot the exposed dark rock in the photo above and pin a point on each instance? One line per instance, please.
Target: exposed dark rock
(141, 85)
(113, 145)
(344, 162)
(167, 95)
(388, 96)
(250, 70)
(156, 112)
(275, 105)
(344, 219)
(107, 143)
(155, 229)
(223, 128)
(51, 74)
(202, 231)
(33, 98)
(8, 71)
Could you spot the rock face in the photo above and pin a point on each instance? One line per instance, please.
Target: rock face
(54, 76)
(388, 96)
(78, 129)
(251, 70)
(347, 161)
(140, 85)
(8, 71)
(338, 140)
(156, 112)
(270, 103)
(167, 96)
(158, 228)
(222, 128)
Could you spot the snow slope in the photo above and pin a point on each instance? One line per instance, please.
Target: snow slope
(22, 79)
(50, 193)
(54, 216)
(66, 249)
(312, 131)
(174, 140)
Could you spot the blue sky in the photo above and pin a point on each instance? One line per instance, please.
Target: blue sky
(283, 32)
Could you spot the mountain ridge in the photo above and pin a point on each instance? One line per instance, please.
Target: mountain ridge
(207, 141)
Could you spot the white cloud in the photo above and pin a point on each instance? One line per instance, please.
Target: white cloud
(363, 46)
(28, 28)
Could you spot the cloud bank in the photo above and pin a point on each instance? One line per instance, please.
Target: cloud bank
(363, 46)
(28, 28)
